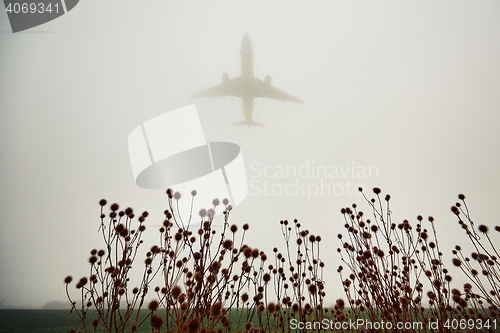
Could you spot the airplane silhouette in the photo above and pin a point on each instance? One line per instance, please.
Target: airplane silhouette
(247, 86)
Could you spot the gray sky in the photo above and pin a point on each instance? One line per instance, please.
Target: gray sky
(410, 88)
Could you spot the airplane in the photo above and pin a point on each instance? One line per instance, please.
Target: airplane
(247, 86)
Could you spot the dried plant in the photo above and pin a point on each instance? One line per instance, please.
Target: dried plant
(201, 278)
(397, 274)
(196, 279)
(482, 268)
(107, 285)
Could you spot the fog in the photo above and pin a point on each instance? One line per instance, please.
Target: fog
(406, 91)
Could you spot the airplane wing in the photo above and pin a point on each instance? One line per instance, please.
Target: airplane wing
(229, 88)
(262, 89)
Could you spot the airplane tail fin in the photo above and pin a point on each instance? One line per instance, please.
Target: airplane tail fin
(248, 123)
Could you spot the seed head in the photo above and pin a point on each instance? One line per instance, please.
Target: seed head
(216, 309)
(483, 229)
(156, 321)
(457, 262)
(153, 305)
(228, 244)
(83, 281)
(176, 292)
(92, 260)
(193, 325)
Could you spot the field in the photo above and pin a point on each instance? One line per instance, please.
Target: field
(61, 321)
(36, 321)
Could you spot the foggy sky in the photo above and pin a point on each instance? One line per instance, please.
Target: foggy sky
(408, 87)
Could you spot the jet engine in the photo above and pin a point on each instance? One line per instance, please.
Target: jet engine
(225, 78)
(268, 81)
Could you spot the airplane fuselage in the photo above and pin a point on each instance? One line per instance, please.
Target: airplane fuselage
(247, 77)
